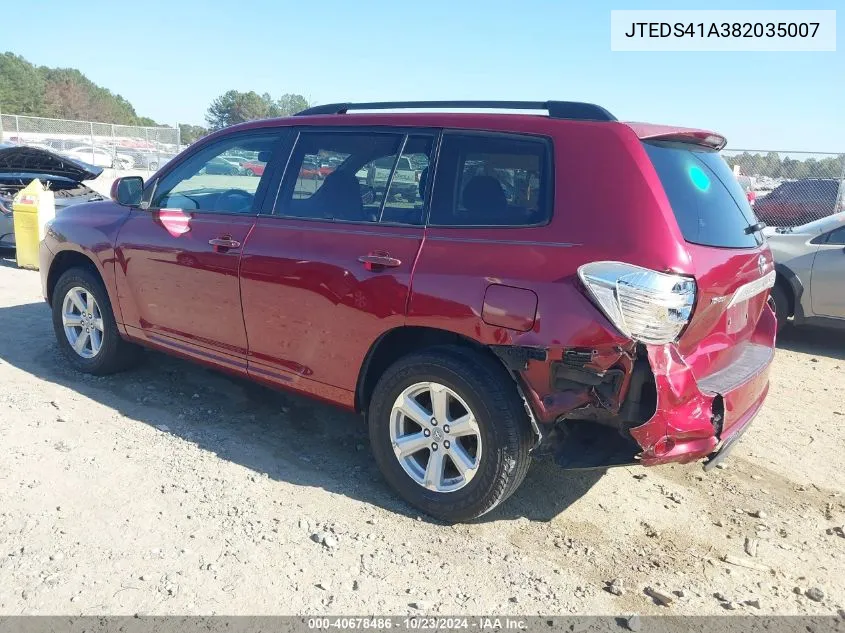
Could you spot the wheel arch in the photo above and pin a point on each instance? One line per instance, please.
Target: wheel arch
(793, 288)
(401, 341)
(64, 261)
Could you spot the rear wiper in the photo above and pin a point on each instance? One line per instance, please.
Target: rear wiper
(755, 228)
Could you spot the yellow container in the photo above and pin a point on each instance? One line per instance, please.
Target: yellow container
(32, 207)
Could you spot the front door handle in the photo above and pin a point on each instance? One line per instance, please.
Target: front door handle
(379, 261)
(224, 242)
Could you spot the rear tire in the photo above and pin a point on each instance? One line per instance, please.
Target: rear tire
(498, 447)
(101, 350)
(779, 298)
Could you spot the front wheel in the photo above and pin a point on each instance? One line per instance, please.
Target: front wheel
(85, 327)
(449, 432)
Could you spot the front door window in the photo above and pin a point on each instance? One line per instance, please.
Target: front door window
(220, 178)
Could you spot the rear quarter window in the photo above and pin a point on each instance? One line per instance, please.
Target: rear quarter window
(492, 180)
(710, 206)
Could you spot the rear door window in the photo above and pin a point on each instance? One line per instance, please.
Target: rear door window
(709, 205)
(492, 180)
(356, 176)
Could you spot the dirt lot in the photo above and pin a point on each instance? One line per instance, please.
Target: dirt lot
(174, 489)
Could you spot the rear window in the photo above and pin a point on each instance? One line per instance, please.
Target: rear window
(710, 206)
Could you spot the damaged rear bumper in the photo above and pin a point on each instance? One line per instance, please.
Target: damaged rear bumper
(697, 419)
(648, 400)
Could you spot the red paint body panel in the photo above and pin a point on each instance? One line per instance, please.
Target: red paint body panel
(174, 285)
(311, 308)
(710, 342)
(294, 306)
(90, 230)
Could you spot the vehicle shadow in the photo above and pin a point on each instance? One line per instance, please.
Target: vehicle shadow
(7, 257)
(547, 491)
(287, 437)
(812, 340)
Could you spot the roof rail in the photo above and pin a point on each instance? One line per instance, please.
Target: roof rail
(557, 109)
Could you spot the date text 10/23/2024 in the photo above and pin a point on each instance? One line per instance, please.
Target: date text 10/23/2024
(417, 623)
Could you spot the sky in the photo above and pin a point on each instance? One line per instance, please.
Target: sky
(171, 59)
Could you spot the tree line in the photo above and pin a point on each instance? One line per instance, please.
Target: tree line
(60, 93)
(65, 93)
(773, 166)
(233, 107)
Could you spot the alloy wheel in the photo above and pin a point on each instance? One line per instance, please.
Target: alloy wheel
(435, 436)
(83, 322)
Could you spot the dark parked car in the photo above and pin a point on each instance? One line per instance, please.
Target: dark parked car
(218, 166)
(20, 165)
(800, 201)
(595, 324)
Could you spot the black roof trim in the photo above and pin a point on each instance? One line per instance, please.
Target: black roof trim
(557, 109)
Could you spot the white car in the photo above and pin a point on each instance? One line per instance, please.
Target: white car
(405, 179)
(101, 157)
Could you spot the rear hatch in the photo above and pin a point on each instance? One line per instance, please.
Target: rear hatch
(732, 263)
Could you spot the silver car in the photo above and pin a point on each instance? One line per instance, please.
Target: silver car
(810, 265)
(19, 165)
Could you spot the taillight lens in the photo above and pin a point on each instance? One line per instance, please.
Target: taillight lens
(645, 305)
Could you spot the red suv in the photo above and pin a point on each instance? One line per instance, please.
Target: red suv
(561, 285)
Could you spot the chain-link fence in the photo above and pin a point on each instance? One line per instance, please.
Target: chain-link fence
(785, 188)
(124, 147)
(790, 188)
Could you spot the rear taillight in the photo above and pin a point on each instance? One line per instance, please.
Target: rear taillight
(645, 305)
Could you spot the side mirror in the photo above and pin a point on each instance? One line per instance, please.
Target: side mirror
(127, 191)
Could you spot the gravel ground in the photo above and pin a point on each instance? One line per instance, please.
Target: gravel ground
(175, 489)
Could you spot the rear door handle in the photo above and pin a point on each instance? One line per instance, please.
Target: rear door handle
(224, 242)
(379, 261)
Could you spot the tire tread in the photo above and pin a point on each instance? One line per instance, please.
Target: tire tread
(505, 413)
(116, 354)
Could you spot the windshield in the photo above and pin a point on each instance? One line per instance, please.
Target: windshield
(709, 204)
